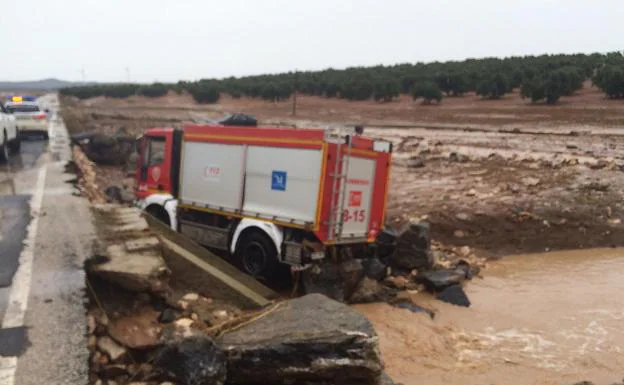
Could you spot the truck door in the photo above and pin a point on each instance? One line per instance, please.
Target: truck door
(153, 166)
(358, 191)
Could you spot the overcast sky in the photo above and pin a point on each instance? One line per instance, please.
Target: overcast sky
(192, 39)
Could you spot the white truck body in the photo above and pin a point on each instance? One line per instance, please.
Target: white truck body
(246, 179)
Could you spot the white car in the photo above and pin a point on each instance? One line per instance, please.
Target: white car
(9, 134)
(29, 116)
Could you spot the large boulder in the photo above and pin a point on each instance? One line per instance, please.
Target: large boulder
(386, 242)
(193, 360)
(334, 280)
(374, 268)
(439, 280)
(312, 340)
(412, 249)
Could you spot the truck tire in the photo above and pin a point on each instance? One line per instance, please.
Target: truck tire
(4, 150)
(256, 255)
(159, 213)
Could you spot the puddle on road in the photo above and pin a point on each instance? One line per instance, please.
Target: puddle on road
(554, 318)
(27, 159)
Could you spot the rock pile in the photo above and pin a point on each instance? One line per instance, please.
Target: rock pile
(405, 260)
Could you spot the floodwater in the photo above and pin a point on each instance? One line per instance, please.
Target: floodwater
(554, 318)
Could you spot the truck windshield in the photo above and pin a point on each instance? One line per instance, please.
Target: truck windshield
(156, 151)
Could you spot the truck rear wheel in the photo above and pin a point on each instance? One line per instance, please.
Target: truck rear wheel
(256, 255)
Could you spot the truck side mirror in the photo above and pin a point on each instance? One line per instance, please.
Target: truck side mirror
(137, 144)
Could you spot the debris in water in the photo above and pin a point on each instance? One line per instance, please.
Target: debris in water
(454, 295)
(409, 305)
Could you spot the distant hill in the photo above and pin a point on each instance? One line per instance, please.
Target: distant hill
(44, 84)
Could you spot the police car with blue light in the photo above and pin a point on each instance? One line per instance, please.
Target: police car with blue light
(29, 116)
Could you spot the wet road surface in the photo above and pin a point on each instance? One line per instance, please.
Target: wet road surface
(45, 235)
(14, 217)
(16, 186)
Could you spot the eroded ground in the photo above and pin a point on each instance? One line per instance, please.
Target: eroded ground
(502, 176)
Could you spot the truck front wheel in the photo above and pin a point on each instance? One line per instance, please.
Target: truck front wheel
(159, 213)
(256, 255)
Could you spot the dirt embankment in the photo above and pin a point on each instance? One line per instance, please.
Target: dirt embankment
(502, 176)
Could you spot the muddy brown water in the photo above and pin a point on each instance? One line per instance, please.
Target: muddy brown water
(553, 318)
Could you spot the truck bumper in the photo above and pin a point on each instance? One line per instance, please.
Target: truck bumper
(295, 253)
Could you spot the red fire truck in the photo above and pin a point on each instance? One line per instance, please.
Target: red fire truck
(266, 196)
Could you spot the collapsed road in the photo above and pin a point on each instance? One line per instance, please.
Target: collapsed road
(52, 234)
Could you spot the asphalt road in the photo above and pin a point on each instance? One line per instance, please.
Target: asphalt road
(45, 235)
(15, 182)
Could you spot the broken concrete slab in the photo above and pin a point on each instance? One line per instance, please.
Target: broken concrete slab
(210, 280)
(116, 222)
(142, 244)
(208, 274)
(318, 340)
(143, 271)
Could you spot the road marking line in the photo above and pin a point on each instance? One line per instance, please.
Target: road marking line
(20, 288)
(8, 365)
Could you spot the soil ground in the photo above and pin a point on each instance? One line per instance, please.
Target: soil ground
(502, 177)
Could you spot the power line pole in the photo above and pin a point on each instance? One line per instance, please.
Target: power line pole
(82, 73)
(295, 88)
(127, 75)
